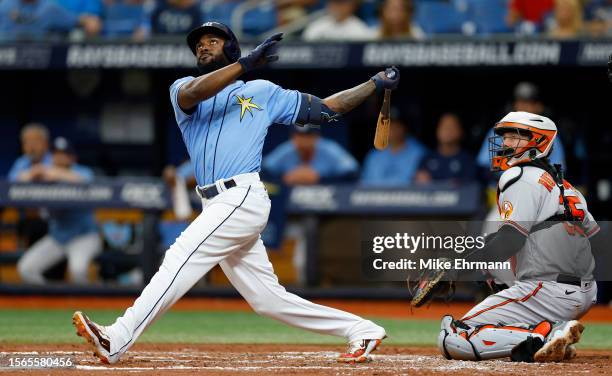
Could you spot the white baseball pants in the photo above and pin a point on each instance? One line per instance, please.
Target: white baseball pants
(227, 233)
(530, 302)
(47, 252)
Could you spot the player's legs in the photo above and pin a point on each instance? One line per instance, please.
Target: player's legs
(42, 255)
(80, 252)
(525, 311)
(225, 224)
(252, 274)
(532, 302)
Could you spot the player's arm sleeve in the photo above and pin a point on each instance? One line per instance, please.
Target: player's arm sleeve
(273, 163)
(183, 118)
(557, 156)
(345, 166)
(500, 246)
(369, 172)
(85, 173)
(283, 105)
(483, 159)
(14, 171)
(518, 205)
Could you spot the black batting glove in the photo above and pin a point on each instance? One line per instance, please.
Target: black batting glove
(389, 79)
(610, 69)
(262, 54)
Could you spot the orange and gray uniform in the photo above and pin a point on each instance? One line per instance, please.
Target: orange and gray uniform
(553, 269)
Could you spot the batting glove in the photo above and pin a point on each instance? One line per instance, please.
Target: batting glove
(262, 54)
(389, 79)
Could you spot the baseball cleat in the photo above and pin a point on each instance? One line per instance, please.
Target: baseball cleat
(96, 336)
(525, 351)
(570, 352)
(359, 351)
(562, 335)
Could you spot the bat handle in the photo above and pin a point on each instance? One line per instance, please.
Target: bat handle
(386, 104)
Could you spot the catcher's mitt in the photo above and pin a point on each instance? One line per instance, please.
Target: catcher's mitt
(431, 284)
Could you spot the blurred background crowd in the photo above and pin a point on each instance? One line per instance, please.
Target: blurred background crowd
(311, 20)
(82, 125)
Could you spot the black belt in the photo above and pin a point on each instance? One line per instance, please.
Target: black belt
(569, 280)
(211, 191)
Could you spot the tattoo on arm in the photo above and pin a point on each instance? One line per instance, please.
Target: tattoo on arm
(346, 100)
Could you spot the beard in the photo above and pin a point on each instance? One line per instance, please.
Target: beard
(213, 65)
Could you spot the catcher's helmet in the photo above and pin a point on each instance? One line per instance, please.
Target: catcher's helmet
(539, 130)
(231, 48)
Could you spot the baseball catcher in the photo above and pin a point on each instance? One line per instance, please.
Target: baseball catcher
(546, 231)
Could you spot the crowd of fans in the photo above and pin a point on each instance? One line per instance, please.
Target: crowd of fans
(326, 19)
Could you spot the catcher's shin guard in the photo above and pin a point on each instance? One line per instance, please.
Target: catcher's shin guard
(461, 342)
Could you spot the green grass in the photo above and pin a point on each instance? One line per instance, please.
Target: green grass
(54, 326)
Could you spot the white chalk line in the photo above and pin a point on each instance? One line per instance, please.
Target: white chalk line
(380, 362)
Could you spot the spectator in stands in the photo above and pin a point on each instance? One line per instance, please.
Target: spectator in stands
(396, 21)
(568, 19)
(529, 15)
(307, 158)
(291, 10)
(90, 9)
(449, 162)
(399, 162)
(340, 24)
(72, 232)
(126, 18)
(35, 146)
(176, 17)
(36, 19)
(599, 16)
(180, 179)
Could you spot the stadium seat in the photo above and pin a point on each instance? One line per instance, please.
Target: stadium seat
(439, 17)
(489, 16)
(260, 19)
(368, 11)
(256, 21)
(122, 19)
(220, 11)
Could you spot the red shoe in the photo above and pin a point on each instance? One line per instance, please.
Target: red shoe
(96, 336)
(359, 351)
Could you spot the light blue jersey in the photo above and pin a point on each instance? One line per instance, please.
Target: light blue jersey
(66, 224)
(24, 163)
(386, 168)
(225, 134)
(330, 160)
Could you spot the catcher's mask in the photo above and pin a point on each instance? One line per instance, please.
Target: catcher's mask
(527, 137)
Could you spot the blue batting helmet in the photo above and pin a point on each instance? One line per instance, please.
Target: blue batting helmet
(231, 48)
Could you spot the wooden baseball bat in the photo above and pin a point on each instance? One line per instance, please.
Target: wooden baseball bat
(381, 138)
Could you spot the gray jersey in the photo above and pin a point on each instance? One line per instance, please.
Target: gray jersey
(559, 249)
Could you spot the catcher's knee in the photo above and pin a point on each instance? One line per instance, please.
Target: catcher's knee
(453, 343)
(478, 343)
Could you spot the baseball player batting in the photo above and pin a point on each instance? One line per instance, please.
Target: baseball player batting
(546, 230)
(224, 122)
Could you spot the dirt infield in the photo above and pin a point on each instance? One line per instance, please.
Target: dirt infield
(213, 359)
